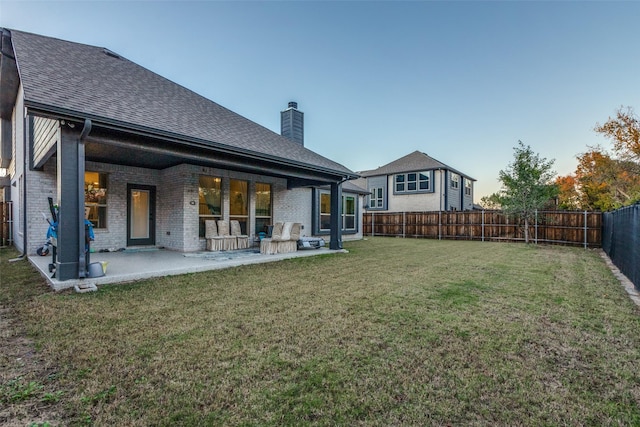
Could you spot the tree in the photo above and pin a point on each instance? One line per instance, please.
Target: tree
(568, 194)
(491, 202)
(526, 185)
(624, 131)
(606, 183)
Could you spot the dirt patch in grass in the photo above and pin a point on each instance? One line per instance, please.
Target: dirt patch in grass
(28, 393)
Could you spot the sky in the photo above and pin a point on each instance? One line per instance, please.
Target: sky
(376, 80)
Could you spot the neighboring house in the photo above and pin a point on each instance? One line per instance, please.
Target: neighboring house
(417, 182)
(149, 159)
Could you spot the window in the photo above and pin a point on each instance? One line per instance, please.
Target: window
(95, 198)
(325, 211)
(424, 181)
(376, 199)
(348, 222)
(467, 187)
(454, 180)
(263, 206)
(210, 200)
(348, 212)
(413, 182)
(239, 203)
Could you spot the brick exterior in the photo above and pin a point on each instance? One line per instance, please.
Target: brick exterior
(177, 220)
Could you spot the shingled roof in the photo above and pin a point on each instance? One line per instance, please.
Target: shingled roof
(414, 162)
(91, 82)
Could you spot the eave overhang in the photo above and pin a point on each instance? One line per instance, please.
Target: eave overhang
(230, 156)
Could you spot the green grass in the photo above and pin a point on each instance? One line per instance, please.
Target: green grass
(397, 331)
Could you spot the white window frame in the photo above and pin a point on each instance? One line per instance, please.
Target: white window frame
(467, 187)
(402, 182)
(346, 215)
(455, 181)
(376, 198)
(327, 214)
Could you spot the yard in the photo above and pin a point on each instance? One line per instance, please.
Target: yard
(397, 331)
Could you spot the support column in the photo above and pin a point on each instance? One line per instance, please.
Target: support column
(70, 155)
(336, 216)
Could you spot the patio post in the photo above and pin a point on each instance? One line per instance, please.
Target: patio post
(69, 188)
(336, 216)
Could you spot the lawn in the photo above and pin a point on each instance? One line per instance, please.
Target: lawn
(396, 332)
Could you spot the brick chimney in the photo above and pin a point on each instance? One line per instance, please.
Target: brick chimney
(292, 123)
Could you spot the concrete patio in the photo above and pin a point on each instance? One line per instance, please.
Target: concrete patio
(137, 264)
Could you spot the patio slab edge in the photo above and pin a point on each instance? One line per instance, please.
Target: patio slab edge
(58, 285)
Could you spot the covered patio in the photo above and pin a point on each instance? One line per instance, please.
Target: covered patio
(145, 162)
(144, 263)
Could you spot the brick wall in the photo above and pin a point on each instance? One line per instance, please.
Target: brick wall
(177, 220)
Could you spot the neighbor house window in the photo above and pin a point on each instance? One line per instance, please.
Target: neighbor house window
(376, 200)
(348, 222)
(210, 200)
(467, 187)
(413, 182)
(424, 181)
(95, 198)
(400, 183)
(263, 206)
(455, 180)
(239, 203)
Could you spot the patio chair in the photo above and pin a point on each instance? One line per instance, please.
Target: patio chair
(269, 245)
(214, 242)
(242, 239)
(229, 242)
(286, 243)
(284, 238)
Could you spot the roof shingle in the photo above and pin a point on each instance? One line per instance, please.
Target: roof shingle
(413, 162)
(99, 84)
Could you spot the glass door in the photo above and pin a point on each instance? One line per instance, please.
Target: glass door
(141, 207)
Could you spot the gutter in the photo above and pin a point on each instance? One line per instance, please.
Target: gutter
(61, 113)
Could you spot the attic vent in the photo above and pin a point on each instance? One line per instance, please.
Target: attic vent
(111, 53)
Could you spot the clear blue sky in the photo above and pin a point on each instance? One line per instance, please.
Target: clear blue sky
(461, 81)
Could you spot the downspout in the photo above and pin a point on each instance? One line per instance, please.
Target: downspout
(82, 261)
(441, 195)
(24, 184)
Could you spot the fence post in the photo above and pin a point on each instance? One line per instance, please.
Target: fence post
(585, 229)
(536, 228)
(404, 224)
(373, 223)
(439, 225)
(482, 225)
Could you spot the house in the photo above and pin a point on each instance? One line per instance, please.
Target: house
(146, 160)
(417, 182)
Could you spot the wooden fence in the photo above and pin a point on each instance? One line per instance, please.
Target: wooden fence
(550, 227)
(5, 223)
